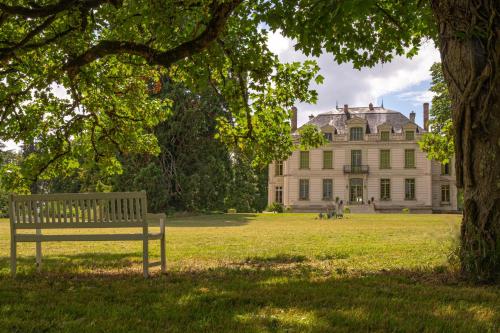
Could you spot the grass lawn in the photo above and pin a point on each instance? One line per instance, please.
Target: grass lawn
(253, 273)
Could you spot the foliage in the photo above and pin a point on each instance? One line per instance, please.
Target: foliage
(347, 210)
(104, 59)
(439, 142)
(311, 137)
(246, 191)
(276, 207)
(405, 210)
(194, 171)
(8, 159)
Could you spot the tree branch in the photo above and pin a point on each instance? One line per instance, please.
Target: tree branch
(220, 14)
(44, 11)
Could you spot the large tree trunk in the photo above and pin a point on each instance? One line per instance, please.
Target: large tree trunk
(469, 38)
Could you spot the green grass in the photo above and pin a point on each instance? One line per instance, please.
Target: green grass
(253, 273)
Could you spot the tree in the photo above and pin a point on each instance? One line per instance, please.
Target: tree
(438, 143)
(103, 51)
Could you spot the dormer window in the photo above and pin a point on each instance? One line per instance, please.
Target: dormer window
(410, 135)
(356, 134)
(384, 136)
(328, 136)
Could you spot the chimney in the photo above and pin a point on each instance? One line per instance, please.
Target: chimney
(426, 116)
(311, 117)
(346, 111)
(294, 119)
(370, 106)
(412, 116)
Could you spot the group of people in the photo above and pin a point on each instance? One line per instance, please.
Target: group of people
(333, 210)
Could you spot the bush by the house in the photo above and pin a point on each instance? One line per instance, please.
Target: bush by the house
(405, 210)
(347, 210)
(276, 207)
(231, 211)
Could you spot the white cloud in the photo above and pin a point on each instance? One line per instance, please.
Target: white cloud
(346, 85)
(277, 43)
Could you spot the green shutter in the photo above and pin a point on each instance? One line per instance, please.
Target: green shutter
(304, 160)
(327, 189)
(385, 189)
(385, 159)
(409, 189)
(327, 159)
(409, 158)
(304, 189)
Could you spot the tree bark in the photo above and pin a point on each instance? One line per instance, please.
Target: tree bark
(469, 42)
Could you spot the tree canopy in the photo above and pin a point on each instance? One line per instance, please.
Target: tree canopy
(106, 56)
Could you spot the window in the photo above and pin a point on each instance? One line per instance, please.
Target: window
(329, 136)
(278, 171)
(410, 189)
(327, 159)
(385, 189)
(409, 158)
(445, 193)
(356, 134)
(279, 194)
(304, 189)
(410, 135)
(304, 160)
(356, 158)
(445, 169)
(327, 189)
(385, 159)
(384, 135)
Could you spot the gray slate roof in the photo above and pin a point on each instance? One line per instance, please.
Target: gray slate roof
(378, 116)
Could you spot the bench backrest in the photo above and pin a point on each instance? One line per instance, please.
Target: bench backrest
(78, 210)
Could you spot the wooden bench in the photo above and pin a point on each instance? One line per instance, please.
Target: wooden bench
(83, 210)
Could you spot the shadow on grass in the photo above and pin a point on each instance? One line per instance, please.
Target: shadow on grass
(243, 299)
(215, 220)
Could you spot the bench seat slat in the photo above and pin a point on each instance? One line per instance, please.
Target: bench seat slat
(83, 238)
(77, 196)
(79, 225)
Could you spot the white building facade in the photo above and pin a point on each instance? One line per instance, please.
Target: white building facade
(372, 162)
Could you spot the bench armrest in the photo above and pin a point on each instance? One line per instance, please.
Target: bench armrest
(156, 217)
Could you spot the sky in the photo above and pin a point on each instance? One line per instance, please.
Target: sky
(402, 84)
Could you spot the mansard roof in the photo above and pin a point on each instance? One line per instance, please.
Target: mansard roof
(374, 118)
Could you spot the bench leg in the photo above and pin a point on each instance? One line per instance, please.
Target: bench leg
(162, 248)
(13, 262)
(39, 252)
(145, 256)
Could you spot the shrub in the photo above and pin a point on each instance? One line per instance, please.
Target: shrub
(276, 207)
(347, 210)
(405, 210)
(231, 211)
